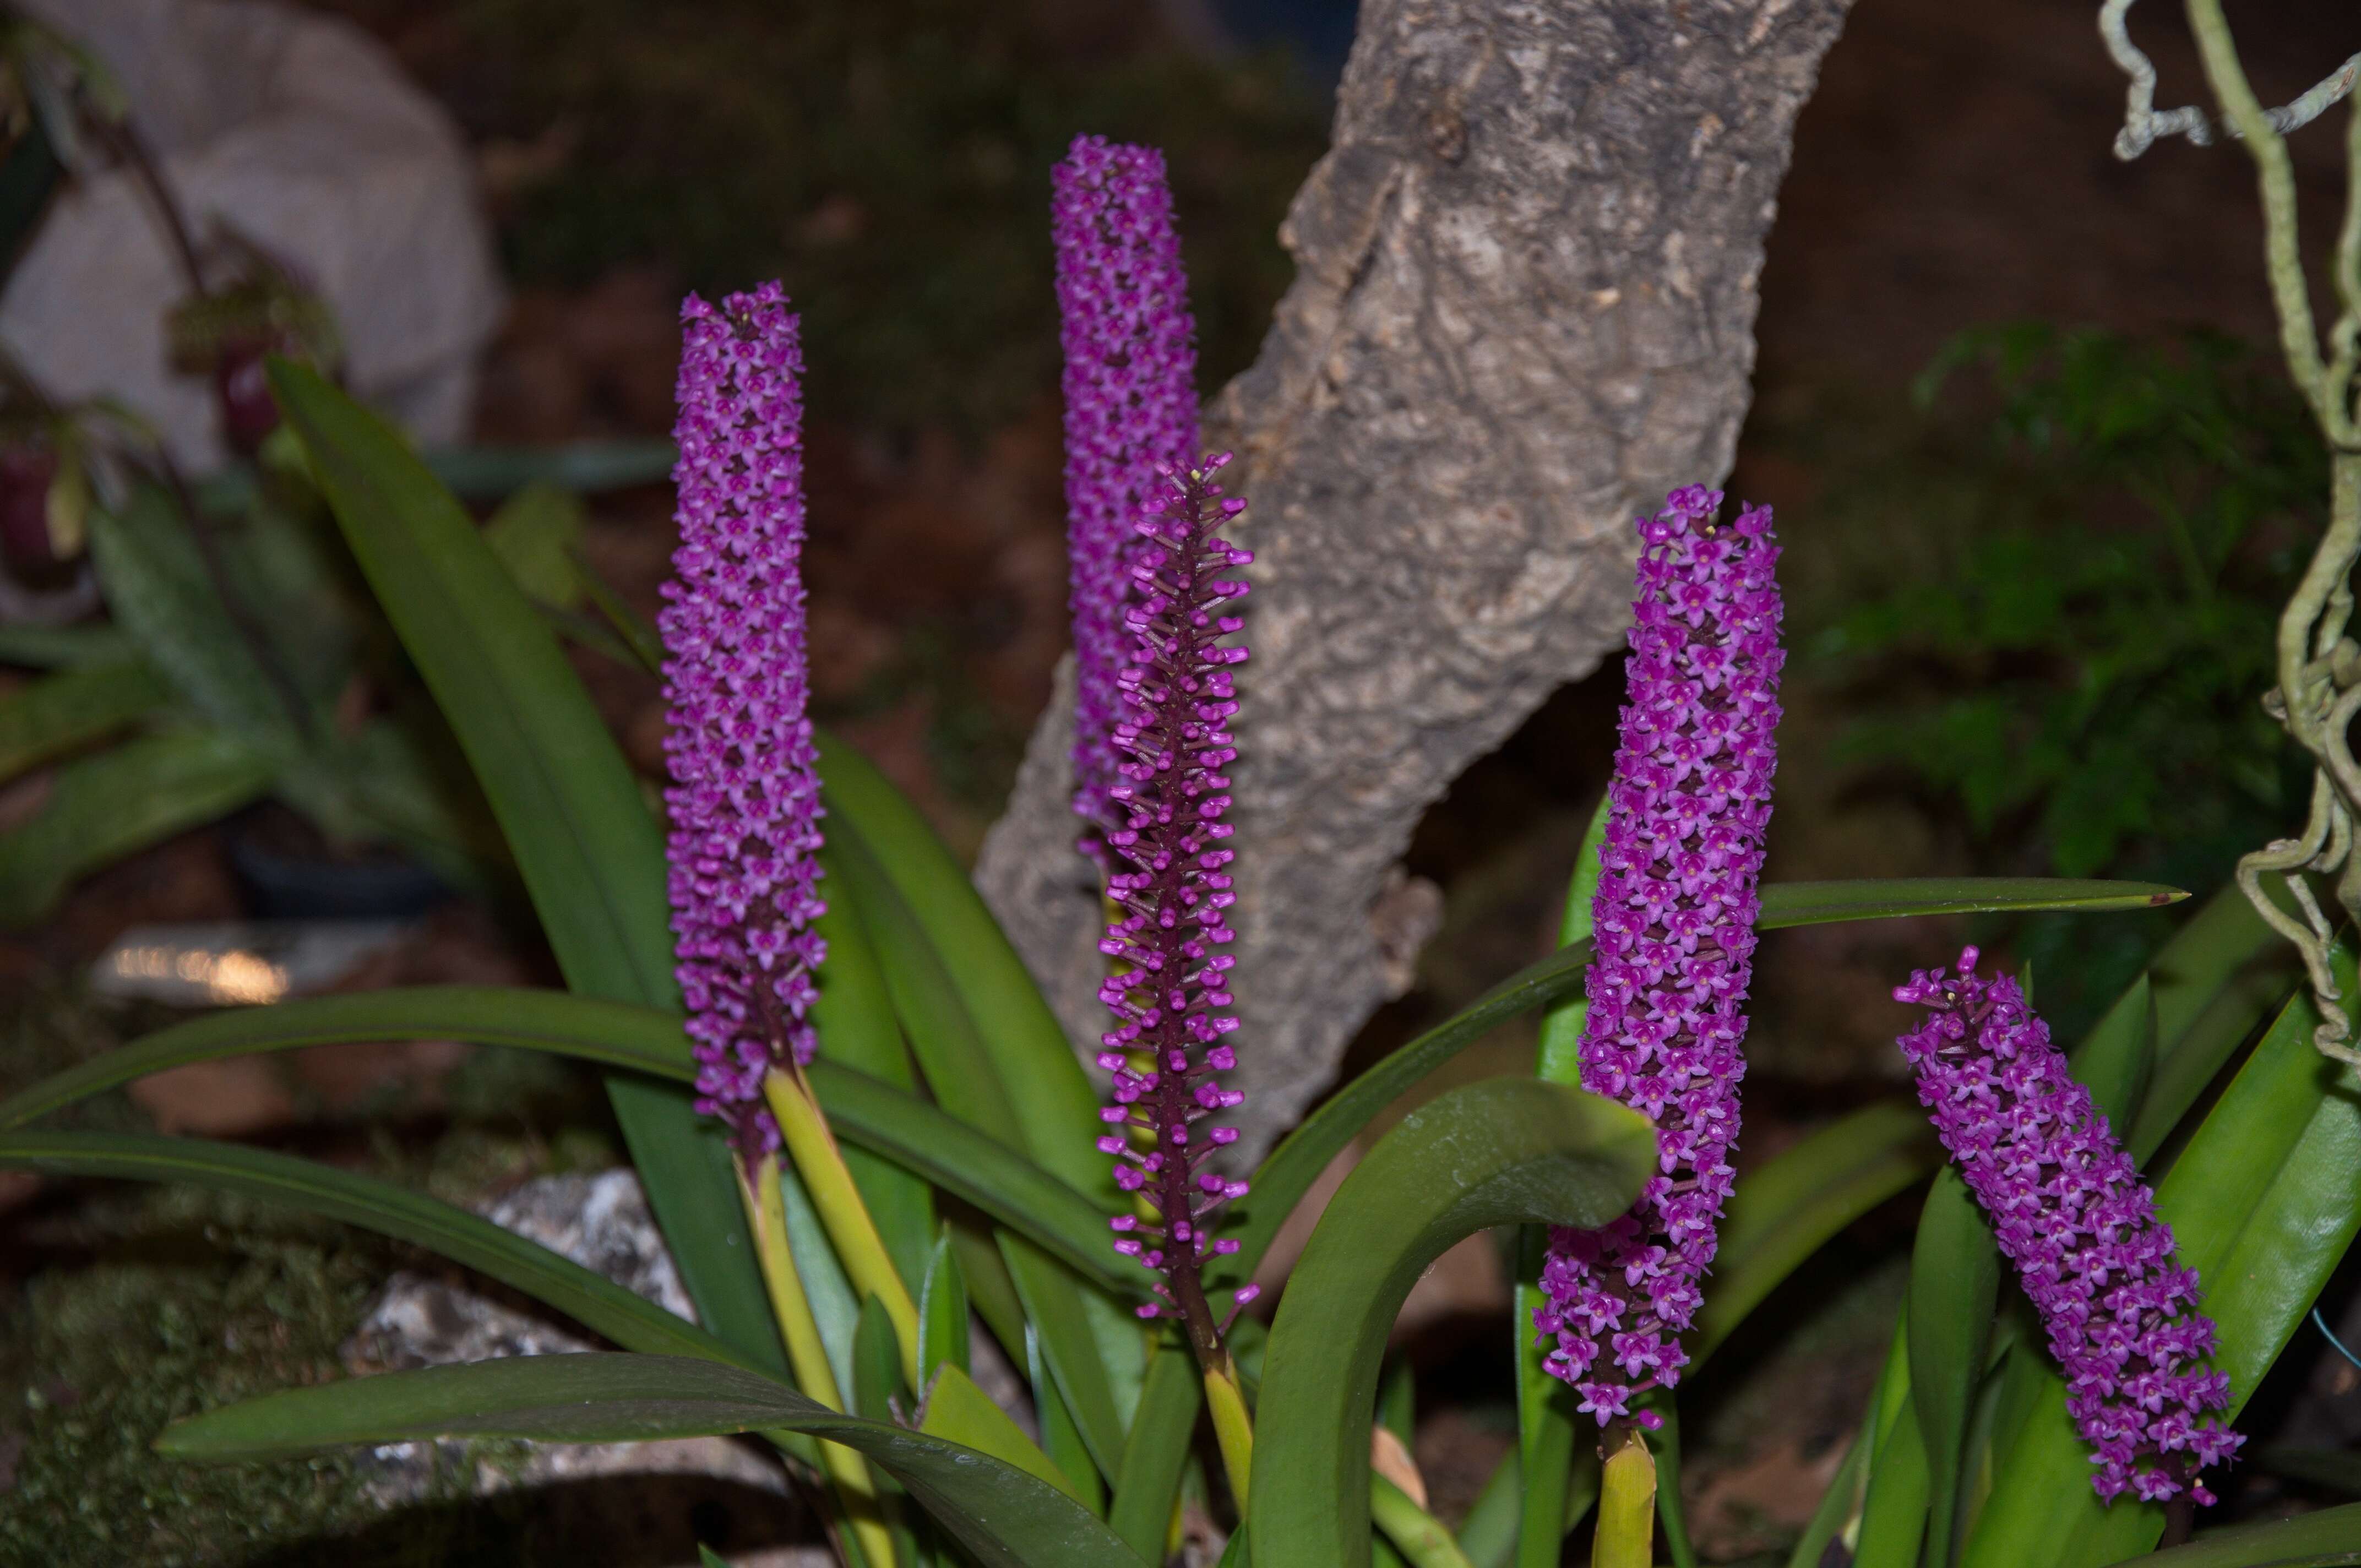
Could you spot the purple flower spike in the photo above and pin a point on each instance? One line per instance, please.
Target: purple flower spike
(2072, 1214)
(744, 801)
(1170, 998)
(1131, 413)
(1673, 925)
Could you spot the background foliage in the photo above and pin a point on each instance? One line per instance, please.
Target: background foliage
(891, 159)
(2064, 658)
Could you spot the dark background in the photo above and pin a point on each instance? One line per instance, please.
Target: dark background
(889, 160)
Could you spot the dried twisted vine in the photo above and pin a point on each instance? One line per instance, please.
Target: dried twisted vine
(2145, 124)
(2319, 690)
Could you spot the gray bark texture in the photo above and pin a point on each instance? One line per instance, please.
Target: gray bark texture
(1523, 311)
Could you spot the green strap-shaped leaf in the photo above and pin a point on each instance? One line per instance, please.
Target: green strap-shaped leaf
(1091, 1342)
(1548, 1426)
(942, 1311)
(160, 591)
(493, 473)
(610, 1034)
(893, 1123)
(590, 853)
(1509, 1151)
(2262, 1203)
(1055, 1312)
(961, 1412)
(65, 647)
(1407, 1536)
(1893, 898)
(828, 1295)
(1398, 1400)
(1089, 1339)
(1787, 1208)
(1288, 1173)
(855, 1025)
(989, 1289)
(2116, 1060)
(1893, 1517)
(1665, 1444)
(2336, 1468)
(591, 1299)
(1836, 1506)
(1006, 1518)
(1487, 1536)
(585, 468)
(103, 806)
(2328, 1538)
(948, 1038)
(67, 711)
(1954, 1289)
(2220, 973)
(1056, 1110)
(1153, 1460)
(1061, 1439)
(1889, 1406)
(877, 1386)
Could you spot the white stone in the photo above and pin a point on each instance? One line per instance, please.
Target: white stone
(301, 132)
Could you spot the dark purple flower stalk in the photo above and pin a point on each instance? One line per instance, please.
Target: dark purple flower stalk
(1171, 1010)
(745, 797)
(1131, 413)
(1673, 925)
(2072, 1214)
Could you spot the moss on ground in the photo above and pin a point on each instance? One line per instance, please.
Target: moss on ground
(175, 1302)
(124, 1307)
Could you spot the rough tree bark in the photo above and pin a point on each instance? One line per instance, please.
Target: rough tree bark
(1523, 310)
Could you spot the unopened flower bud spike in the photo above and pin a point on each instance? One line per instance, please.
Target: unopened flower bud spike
(1167, 889)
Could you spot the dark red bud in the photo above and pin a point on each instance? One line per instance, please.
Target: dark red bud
(26, 472)
(249, 413)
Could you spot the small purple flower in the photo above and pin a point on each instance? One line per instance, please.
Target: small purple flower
(1673, 926)
(1131, 413)
(1170, 995)
(2071, 1212)
(744, 801)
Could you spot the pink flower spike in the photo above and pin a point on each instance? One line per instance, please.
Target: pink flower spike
(745, 800)
(1131, 412)
(1675, 915)
(2070, 1213)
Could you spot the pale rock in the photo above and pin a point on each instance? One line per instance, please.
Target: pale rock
(301, 132)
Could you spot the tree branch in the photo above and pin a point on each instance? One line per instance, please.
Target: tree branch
(1523, 311)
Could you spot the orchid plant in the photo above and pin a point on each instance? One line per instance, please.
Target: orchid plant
(863, 1132)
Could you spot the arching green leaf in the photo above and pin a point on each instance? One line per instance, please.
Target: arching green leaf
(1507, 1151)
(2262, 1203)
(1006, 1518)
(875, 1116)
(590, 851)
